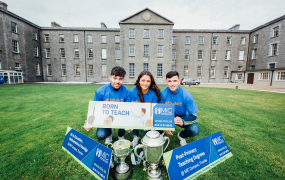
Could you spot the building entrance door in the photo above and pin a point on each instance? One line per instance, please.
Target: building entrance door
(250, 77)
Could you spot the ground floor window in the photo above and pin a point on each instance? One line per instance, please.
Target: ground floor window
(77, 70)
(226, 72)
(239, 77)
(264, 76)
(281, 76)
(212, 73)
(49, 70)
(63, 69)
(37, 69)
(199, 71)
(186, 71)
(90, 70)
(159, 70)
(132, 69)
(145, 66)
(104, 70)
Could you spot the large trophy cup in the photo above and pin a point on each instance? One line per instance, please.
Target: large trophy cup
(121, 151)
(152, 144)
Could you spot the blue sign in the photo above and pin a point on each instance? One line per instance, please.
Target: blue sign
(163, 116)
(94, 157)
(193, 159)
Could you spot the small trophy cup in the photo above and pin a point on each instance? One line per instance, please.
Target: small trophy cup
(122, 150)
(152, 144)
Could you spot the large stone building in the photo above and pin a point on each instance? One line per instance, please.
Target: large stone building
(144, 41)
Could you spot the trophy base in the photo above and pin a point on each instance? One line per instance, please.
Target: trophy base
(154, 176)
(123, 176)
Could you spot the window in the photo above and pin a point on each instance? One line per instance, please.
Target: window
(274, 49)
(199, 71)
(145, 66)
(90, 53)
(117, 39)
(15, 46)
(172, 67)
(214, 54)
(276, 31)
(132, 33)
(215, 39)
(47, 52)
(14, 27)
(36, 51)
(264, 76)
(146, 33)
(104, 70)
(229, 40)
(185, 71)
(187, 40)
(46, 37)
(37, 69)
(132, 69)
(35, 36)
(90, 70)
(104, 53)
(77, 70)
(62, 52)
(253, 55)
(0, 64)
(240, 56)
(63, 69)
(239, 68)
(255, 38)
(228, 55)
(160, 33)
(272, 66)
(131, 50)
(103, 39)
(212, 73)
(281, 76)
(173, 55)
(117, 54)
(187, 54)
(76, 53)
(159, 70)
(200, 54)
(252, 68)
(160, 50)
(17, 65)
(49, 70)
(201, 40)
(146, 50)
(89, 39)
(242, 41)
(239, 76)
(226, 71)
(61, 38)
(174, 38)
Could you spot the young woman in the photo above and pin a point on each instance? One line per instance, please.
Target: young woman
(146, 91)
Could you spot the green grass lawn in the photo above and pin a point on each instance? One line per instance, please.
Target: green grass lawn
(34, 119)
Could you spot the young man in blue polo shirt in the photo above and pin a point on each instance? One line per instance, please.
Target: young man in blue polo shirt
(116, 92)
(185, 107)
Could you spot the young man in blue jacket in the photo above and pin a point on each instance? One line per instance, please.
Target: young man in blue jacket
(185, 107)
(115, 92)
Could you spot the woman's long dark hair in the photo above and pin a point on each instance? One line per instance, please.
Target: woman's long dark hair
(152, 86)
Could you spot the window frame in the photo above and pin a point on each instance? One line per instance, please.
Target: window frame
(146, 33)
(117, 54)
(35, 36)
(201, 54)
(117, 39)
(103, 53)
(199, 71)
(62, 52)
(145, 67)
(104, 70)
(75, 54)
(274, 48)
(242, 40)
(61, 38)
(187, 39)
(160, 51)
(213, 72)
(280, 76)
(263, 76)
(201, 38)
(49, 70)
(174, 39)
(186, 71)
(36, 51)
(15, 45)
(228, 55)
(215, 41)
(226, 72)
(159, 70)
(15, 29)
(47, 53)
(132, 50)
(173, 54)
(90, 71)
(46, 37)
(131, 69)
(185, 55)
(103, 39)
(239, 76)
(214, 54)
(276, 32)
(90, 52)
(239, 56)
(158, 33)
(132, 33)
(77, 69)
(253, 54)
(37, 69)
(63, 70)
(146, 50)
(89, 38)
(229, 40)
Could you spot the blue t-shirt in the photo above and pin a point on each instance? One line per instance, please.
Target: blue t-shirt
(108, 93)
(183, 101)
(149, 97)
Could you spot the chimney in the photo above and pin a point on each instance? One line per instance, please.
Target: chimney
(3, 5)
(235, 27)
(54, 24)
(103, 25)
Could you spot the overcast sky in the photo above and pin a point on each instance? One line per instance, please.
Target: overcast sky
(186, 14)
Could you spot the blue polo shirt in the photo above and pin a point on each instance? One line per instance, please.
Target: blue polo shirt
(149, 97)
(108, 93)
(183, 101)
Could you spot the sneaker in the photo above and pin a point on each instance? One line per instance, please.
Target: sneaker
(182, 140)
(121, 138)
(162, 134)
(109, 138)
(135, 141)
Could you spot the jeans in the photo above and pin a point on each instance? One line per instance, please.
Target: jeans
(189, 130)
(103, 133)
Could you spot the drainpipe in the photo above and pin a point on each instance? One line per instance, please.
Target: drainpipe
(243, 76)
(247, 52)
(210, 58)
(42, 73)
(85, 57)
(271, 78)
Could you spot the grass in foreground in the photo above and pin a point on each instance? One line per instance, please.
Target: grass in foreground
(34, 119)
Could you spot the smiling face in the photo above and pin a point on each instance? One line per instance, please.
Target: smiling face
(173, 83)
(145, 82)
(116, 81)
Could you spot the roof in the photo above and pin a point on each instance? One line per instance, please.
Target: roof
(210, 31)
(268, 24)
(80, 29)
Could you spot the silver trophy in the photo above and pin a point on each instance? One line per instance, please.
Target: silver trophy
(122, 150)
(152, 144)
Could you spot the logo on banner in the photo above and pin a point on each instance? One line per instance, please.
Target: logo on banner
(218, 140)
(163, 111)
(102, 155)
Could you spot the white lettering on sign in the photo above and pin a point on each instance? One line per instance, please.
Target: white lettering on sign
(163, 111)
(218, 140)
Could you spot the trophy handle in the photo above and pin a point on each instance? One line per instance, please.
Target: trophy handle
(137, 147)
(166, 138)
(109, 144)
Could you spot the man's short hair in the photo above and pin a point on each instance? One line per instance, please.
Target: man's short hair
(170, 74)
(118, 71)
